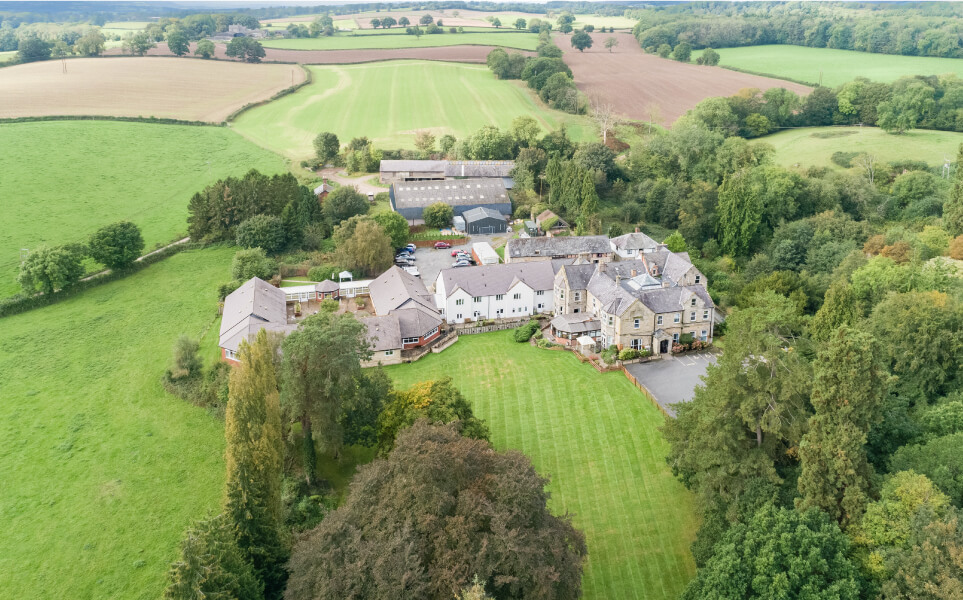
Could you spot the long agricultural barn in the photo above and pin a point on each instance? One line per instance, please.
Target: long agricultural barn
(409, 199)
(396, 171)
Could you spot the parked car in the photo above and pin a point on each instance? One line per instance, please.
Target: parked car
(405, 255)
(412, 271)
(411, 247)
(461, 263)
(404, 262)
(442, 245)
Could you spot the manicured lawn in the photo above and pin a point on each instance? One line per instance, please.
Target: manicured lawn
(397, 38)
(596, 437)
(390, 101)
(62, 180)
(813, 146)
(836, 67)
(101, 469)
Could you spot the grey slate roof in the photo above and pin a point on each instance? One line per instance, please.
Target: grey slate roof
(396, 288)
(255, 305)
(576, 323)
(547, 214)
(407, 166)
(482, 212)
(479, 168)
(579, 275)
(634, 241)
(558, 246)
(419, 194)
(671, 264)
(673, 299)
(490, 280)
(328, 285)
(416, 321)
(384, 333)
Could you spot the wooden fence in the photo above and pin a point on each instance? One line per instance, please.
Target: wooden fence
(668, 413)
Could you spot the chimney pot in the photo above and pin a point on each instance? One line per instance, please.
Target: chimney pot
(636, 230)
(634, 273)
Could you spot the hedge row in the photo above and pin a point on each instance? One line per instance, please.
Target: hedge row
(155, 120)
(281, 94)
(22, 303)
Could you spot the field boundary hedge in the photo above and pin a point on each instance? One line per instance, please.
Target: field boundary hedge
(770, 75)
(308, 78)
(153, 120)
(14, 305)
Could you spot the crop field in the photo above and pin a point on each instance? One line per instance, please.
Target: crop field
(832, 67)
(140, 87)
(595, 436)
(600, 21)
(102, 469)
(62, 180)
(644, 87)
(397, 38)
(813, 146)
(390, 101)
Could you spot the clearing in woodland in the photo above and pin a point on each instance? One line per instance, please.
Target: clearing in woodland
(140, 87)
(832, 67)
(596, 437)
(397, 38)
(389, 102)
(63, 180)
(814, 146)
(645, 87)
(102, 469)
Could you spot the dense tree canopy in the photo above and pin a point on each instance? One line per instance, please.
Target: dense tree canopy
(117, 245)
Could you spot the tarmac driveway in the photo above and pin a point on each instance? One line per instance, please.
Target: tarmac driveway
(674, 378)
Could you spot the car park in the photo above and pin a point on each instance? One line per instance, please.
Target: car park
(411, 247)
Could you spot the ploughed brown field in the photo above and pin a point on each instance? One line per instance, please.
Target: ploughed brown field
(466, 54)
(194, 90)
(648, 88)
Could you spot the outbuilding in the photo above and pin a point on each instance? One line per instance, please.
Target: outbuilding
(484, 254)
(484, 220)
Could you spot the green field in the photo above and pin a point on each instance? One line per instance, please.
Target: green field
(102, 470)
(397, 38)
(390, 101)
(831, 67)
(813, 146)
(595, 436)
(617, 22)
(62, 180)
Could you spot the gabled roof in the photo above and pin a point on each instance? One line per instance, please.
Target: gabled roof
(432, 166)
(416, 321)
(547, 214)
(634, 241)
(491, 280)
(479, 168)
(395, 288)
(674, 299)
(578, 275)
(558, 246)
(672, 265)
(254, 306)
(384, 333)
(576, 323)
(482, 212)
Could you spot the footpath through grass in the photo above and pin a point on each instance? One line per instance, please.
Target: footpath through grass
(389, 102)
(836, 67)
(813, 146)
(63, 180)
(595, 436)
(101, 469)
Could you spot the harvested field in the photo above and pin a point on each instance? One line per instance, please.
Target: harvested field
(648, 88)
(140, 87)
(465, 18)
(467, 54)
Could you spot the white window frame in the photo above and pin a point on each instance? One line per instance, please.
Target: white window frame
(693, 302)
(636, 344)
(676, 318)
(431, 333)
(636, 323)
(499, 297)
(698, 279)
(704, 336)
(675, 338)
(705, 315)
(410, 340)
(459, 302)
(692, 315)
(389, 352)
(458, 317)
(539, 292)
(578, 296)
(517, 296)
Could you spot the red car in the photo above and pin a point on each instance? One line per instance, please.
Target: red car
(457, 252)
(442, 245)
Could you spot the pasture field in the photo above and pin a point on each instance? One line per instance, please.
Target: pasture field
(140, 87)
(397, 38)
(595, 436)
(813, 146)
(602, 21)
(102, 469)
(390, 101)
(63, 180)
(836, 67)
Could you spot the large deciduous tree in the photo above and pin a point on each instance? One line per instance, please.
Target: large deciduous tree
(91, 43)
(322, 359)
(177, 43)
(344, 203)
(253, 456)
(438, 511)
(246, 49)
(326, 147)
(367, 250)
(438, 215)
(394, 225)
(581, 40)
(117, 245)
(848, 388)
(47, 269)
(262, 231)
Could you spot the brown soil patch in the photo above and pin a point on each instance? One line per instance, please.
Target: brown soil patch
(194, 90)
(467, 54)
(648, 88)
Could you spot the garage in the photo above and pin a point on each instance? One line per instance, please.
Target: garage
(482, 220)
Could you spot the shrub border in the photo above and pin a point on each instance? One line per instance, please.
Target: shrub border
(308, 78)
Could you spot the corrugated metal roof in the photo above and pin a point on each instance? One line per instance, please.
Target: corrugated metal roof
(419, 194)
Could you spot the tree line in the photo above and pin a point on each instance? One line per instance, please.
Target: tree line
(927, 29)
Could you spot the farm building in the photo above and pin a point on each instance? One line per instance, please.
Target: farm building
(396, 171)
(484, 254)
(494, 291)
(409, 199)
(594, 248)
(483, 220)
